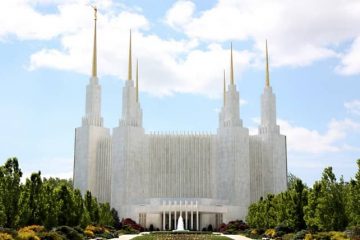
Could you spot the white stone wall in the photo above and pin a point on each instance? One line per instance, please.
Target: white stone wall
(87, 140)
(256, 173)
(103, 170)
(180, 165)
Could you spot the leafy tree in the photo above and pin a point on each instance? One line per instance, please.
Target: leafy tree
(326, 208)
(92, 207)
(105, 215)
(66, 205)
(353, 190)
(78, 208)
(299, 197)
(32, 209)
(116, 218)
(10, 189)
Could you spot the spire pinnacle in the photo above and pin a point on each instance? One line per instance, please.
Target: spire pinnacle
(231, 67)
(267, 66)
(224, 89)
(137, 80)
(94, 59)
(130, 60)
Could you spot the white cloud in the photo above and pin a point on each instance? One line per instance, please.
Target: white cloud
(303, 140)
(180, 13)
(350, 63)
(353, 107)
(299, 32)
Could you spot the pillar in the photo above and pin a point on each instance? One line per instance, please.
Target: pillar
(169, 215)
(186, 216)
(197, 216)
(191, 216)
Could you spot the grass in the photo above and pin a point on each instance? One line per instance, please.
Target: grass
(180, 237)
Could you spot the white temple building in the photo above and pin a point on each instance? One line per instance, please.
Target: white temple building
(154, 178)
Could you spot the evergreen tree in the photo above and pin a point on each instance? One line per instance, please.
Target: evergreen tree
(66, 205)
(10, 176)
(32, 209)
(353, 190)
(105, 215)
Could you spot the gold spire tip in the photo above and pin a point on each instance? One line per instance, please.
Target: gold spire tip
(267, 65)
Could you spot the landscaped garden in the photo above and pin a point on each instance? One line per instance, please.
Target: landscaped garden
(51, 209)
(181, 236)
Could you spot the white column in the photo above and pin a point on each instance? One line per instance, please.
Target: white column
(163, 227)
(180, 209)
(169, 215)
(175, 225)
(186, 216)
(191, 215)
(197, 217)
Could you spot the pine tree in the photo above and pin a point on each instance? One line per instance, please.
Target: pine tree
(10, 189)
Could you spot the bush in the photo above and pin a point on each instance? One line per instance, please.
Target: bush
(35, 228)
(27, 235)
(5, 236)
(322, 236)
(300, 235)
(89, 233)
(51, 236)
(233, 227)
(354, 232)
(69, 233)
(9, 231)
(270, 233)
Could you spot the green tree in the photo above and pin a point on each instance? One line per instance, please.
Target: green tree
(105, 215)
(10, 189)
(78, 208)
(32, 210)
(326, 208)
(299, 198)
(353, 197)
(66, 205)
(92, 207)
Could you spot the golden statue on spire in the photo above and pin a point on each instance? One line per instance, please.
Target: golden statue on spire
(95, 12)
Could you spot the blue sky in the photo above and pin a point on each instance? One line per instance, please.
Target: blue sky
(183, 47)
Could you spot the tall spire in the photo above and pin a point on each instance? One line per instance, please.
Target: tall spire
(267, 66)
(94, 59)
(130, 60)
(224, 89)
(137, 80)
(231, 67)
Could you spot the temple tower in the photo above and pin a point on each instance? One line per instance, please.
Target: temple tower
(232, 162)
(129, 155)
(92, 140)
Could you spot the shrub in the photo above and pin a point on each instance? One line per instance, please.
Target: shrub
(35, 228)
(27, 235)
(308, 236)
(354, 232)
(300, 235)
(89, 233)
(270, 233)
(322, 236)
(288, 236)
(5, 236)
(69, 233)
(51, 236)
(9, 231)
(338, 235)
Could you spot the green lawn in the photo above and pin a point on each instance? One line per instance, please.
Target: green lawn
(181, 237)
